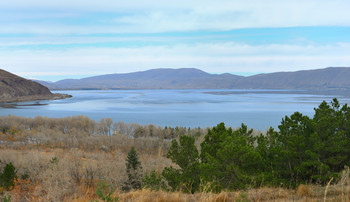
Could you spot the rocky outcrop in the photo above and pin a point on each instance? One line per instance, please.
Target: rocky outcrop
(15, 89)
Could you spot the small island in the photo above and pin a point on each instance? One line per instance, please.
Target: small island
(17, 89)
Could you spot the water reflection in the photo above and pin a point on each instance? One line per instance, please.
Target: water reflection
(21, 105)
(258, 109)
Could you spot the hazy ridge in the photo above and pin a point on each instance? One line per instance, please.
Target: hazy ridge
(191, 78)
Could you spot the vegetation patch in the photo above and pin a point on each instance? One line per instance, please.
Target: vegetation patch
(78, 159)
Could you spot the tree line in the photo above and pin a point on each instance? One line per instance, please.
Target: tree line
(84, 133)
(305, 150)
(85, 126)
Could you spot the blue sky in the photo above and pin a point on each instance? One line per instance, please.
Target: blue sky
(73, 39)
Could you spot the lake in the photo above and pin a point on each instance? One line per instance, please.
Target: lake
(258, 109)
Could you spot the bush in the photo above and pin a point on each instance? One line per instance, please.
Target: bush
(154, 182)
(6, 198)
(104, 192)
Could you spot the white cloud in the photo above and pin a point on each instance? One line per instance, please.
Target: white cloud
(51, 50)
(67, 17)
(218, 58)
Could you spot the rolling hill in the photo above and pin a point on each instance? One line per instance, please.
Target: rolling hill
(14, 88)
(190, 78)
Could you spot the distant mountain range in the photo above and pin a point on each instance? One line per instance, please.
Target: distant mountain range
(15, 89)
(190, 78)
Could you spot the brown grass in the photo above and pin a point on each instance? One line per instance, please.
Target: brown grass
(65, 163)
(73, 177)
(304, 191)
(261, 194)
(74, 169)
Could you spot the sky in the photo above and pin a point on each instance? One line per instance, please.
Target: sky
(53, 40)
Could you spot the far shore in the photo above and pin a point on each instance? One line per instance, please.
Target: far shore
(54, 96)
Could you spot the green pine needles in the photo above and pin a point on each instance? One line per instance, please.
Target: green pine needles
(186, 156)
(8, 176)
(305, 150)
(134, 171)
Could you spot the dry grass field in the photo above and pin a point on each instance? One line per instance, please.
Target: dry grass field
(73, 174)
(69, 166)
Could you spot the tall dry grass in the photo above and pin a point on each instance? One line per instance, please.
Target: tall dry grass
(67, 158)
(261, 194)
(74, 174)
(60, 172)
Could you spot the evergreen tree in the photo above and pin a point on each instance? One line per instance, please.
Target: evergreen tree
(186, 156)
(154, 181)
(332, 125)
(133, 170)
(229, 158)
(299, 152)
(314, 149)
(304, 150)
(8, 176)
(269, 148)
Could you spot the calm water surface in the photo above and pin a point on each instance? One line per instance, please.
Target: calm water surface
(258, 109)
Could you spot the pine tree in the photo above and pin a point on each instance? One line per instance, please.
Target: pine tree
(228, 157)
(8, 176)
(186, 156)
(133, 170)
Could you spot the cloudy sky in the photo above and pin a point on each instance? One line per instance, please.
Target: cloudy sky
(52, 40)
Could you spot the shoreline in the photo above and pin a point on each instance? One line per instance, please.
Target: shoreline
(54, 96)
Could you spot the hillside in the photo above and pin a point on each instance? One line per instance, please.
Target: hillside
(332, 77)
(14, 88)
(151, 79)
(328, 78)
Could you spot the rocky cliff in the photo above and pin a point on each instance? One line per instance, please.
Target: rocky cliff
(14, 89)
